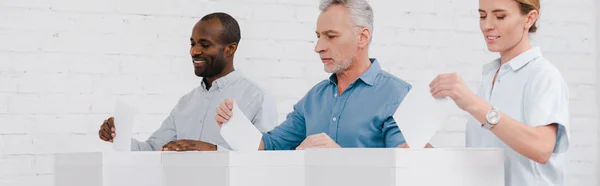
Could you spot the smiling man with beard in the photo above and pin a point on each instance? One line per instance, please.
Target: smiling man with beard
(191, 125)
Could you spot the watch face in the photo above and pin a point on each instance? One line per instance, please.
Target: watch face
(493, 117)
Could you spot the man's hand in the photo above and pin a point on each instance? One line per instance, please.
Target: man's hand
(321, 140)
(107, 130)
(406, 146)
(188, 145)
(224, 111)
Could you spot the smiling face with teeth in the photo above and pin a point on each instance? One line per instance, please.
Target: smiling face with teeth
(211, 58)
(504, 26)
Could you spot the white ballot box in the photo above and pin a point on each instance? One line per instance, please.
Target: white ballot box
(395, 167)
(108, 169)
(312, 167)
(260, 168)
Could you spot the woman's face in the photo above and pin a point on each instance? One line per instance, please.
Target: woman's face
(502, 24)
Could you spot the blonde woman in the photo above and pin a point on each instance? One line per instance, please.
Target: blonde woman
(522, 102)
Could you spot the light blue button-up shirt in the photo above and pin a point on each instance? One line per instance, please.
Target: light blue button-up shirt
(531, 90)
(193, 117)
(360, 117)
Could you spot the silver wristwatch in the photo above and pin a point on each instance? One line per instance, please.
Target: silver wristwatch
(492, 118)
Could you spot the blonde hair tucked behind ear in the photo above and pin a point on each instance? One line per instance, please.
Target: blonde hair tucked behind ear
(527, 6)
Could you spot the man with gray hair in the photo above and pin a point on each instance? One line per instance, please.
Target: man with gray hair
(354, 107)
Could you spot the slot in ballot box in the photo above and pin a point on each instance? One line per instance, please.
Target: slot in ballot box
(395, 167)
(108, 169)
(263, 168)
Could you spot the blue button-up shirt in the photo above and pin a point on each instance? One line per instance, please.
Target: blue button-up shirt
(362, 116)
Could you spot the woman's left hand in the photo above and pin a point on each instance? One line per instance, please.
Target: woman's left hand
(451, 85)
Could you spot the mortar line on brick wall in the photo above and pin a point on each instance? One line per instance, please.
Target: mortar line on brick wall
(597, 89)
(44, 174)
(113, 12)
(84, 53)
(17, 155)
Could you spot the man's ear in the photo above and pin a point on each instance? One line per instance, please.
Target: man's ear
(230, 49)
(364, 37)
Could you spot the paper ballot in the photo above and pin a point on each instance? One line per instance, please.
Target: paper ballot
(240, 133)
(124, 118)
(420, 115)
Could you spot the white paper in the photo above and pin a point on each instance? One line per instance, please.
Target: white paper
(124, 119)
(240, 133)
(420, 115)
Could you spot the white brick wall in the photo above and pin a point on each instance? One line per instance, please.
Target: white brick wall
(64, 62)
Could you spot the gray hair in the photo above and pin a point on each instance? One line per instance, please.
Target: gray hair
(360, 11)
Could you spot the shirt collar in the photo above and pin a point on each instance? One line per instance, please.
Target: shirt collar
(224, 81)
(516, 63)
(367, 77)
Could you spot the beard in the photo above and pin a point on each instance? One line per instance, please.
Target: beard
(339, 67)
(213, 68)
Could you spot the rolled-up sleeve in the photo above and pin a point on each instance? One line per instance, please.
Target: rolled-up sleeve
(391, 132)
(289, 134)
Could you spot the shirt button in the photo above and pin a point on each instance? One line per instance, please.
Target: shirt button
(334, 119)
(335, 95)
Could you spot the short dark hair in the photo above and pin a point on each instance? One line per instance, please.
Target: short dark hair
(230, 29)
